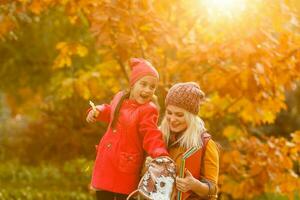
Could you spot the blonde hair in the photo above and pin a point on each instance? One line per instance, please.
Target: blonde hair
(191, 136)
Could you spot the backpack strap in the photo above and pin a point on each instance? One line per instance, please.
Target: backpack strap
(205, 137)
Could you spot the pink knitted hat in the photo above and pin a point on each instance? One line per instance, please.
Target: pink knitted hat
(185, 95)
(140, 68)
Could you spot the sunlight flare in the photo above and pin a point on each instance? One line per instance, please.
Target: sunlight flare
(229, 8)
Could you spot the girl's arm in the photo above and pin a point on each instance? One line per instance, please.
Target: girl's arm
(153, 142)
(104, 111)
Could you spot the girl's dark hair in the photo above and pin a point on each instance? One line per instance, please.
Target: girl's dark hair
(117, 110)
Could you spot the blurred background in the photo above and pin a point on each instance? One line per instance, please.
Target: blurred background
(56, 55)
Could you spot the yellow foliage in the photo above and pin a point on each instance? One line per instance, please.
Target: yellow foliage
(67, 50)
(216, 106)
(24, 1)
(73, 19)
(82, 51)
(61, 45)
(233, 133)
(261, 166)
(62, 61)
(66, 89)
(245, 65)
(6, 25)
(296, 137)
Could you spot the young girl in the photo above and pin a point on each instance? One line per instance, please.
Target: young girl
(132, 128)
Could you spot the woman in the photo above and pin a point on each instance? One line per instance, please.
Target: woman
(189, 144)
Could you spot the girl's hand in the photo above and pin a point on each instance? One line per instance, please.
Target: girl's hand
(93, 114)
(148, 161)
(91, 117)
(187, 183)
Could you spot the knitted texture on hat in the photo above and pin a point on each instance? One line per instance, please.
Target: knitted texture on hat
(141, 68)
(185, 95)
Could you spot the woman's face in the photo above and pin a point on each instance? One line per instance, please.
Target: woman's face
(175, 118)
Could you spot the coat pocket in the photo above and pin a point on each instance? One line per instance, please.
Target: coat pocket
(130, 162)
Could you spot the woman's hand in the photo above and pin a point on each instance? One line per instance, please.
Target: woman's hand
(187, 183)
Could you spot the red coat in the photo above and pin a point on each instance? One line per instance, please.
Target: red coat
(120, 153)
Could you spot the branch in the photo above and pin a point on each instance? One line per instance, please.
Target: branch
(122, 67)
(113, 39)
(195, 19)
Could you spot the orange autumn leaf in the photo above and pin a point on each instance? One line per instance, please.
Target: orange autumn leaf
(36, 6)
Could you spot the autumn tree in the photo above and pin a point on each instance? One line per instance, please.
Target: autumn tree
(244, 55)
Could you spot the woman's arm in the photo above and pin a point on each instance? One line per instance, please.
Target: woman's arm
(189, 183)
(207, 185)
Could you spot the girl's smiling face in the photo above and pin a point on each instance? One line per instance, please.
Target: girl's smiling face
(175, 118)
(143, 90)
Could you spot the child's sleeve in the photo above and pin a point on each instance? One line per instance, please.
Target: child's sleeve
(153, 142)
(104, 112)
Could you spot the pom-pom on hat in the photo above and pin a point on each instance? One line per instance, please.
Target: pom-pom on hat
(140, 68)
(187, 95)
